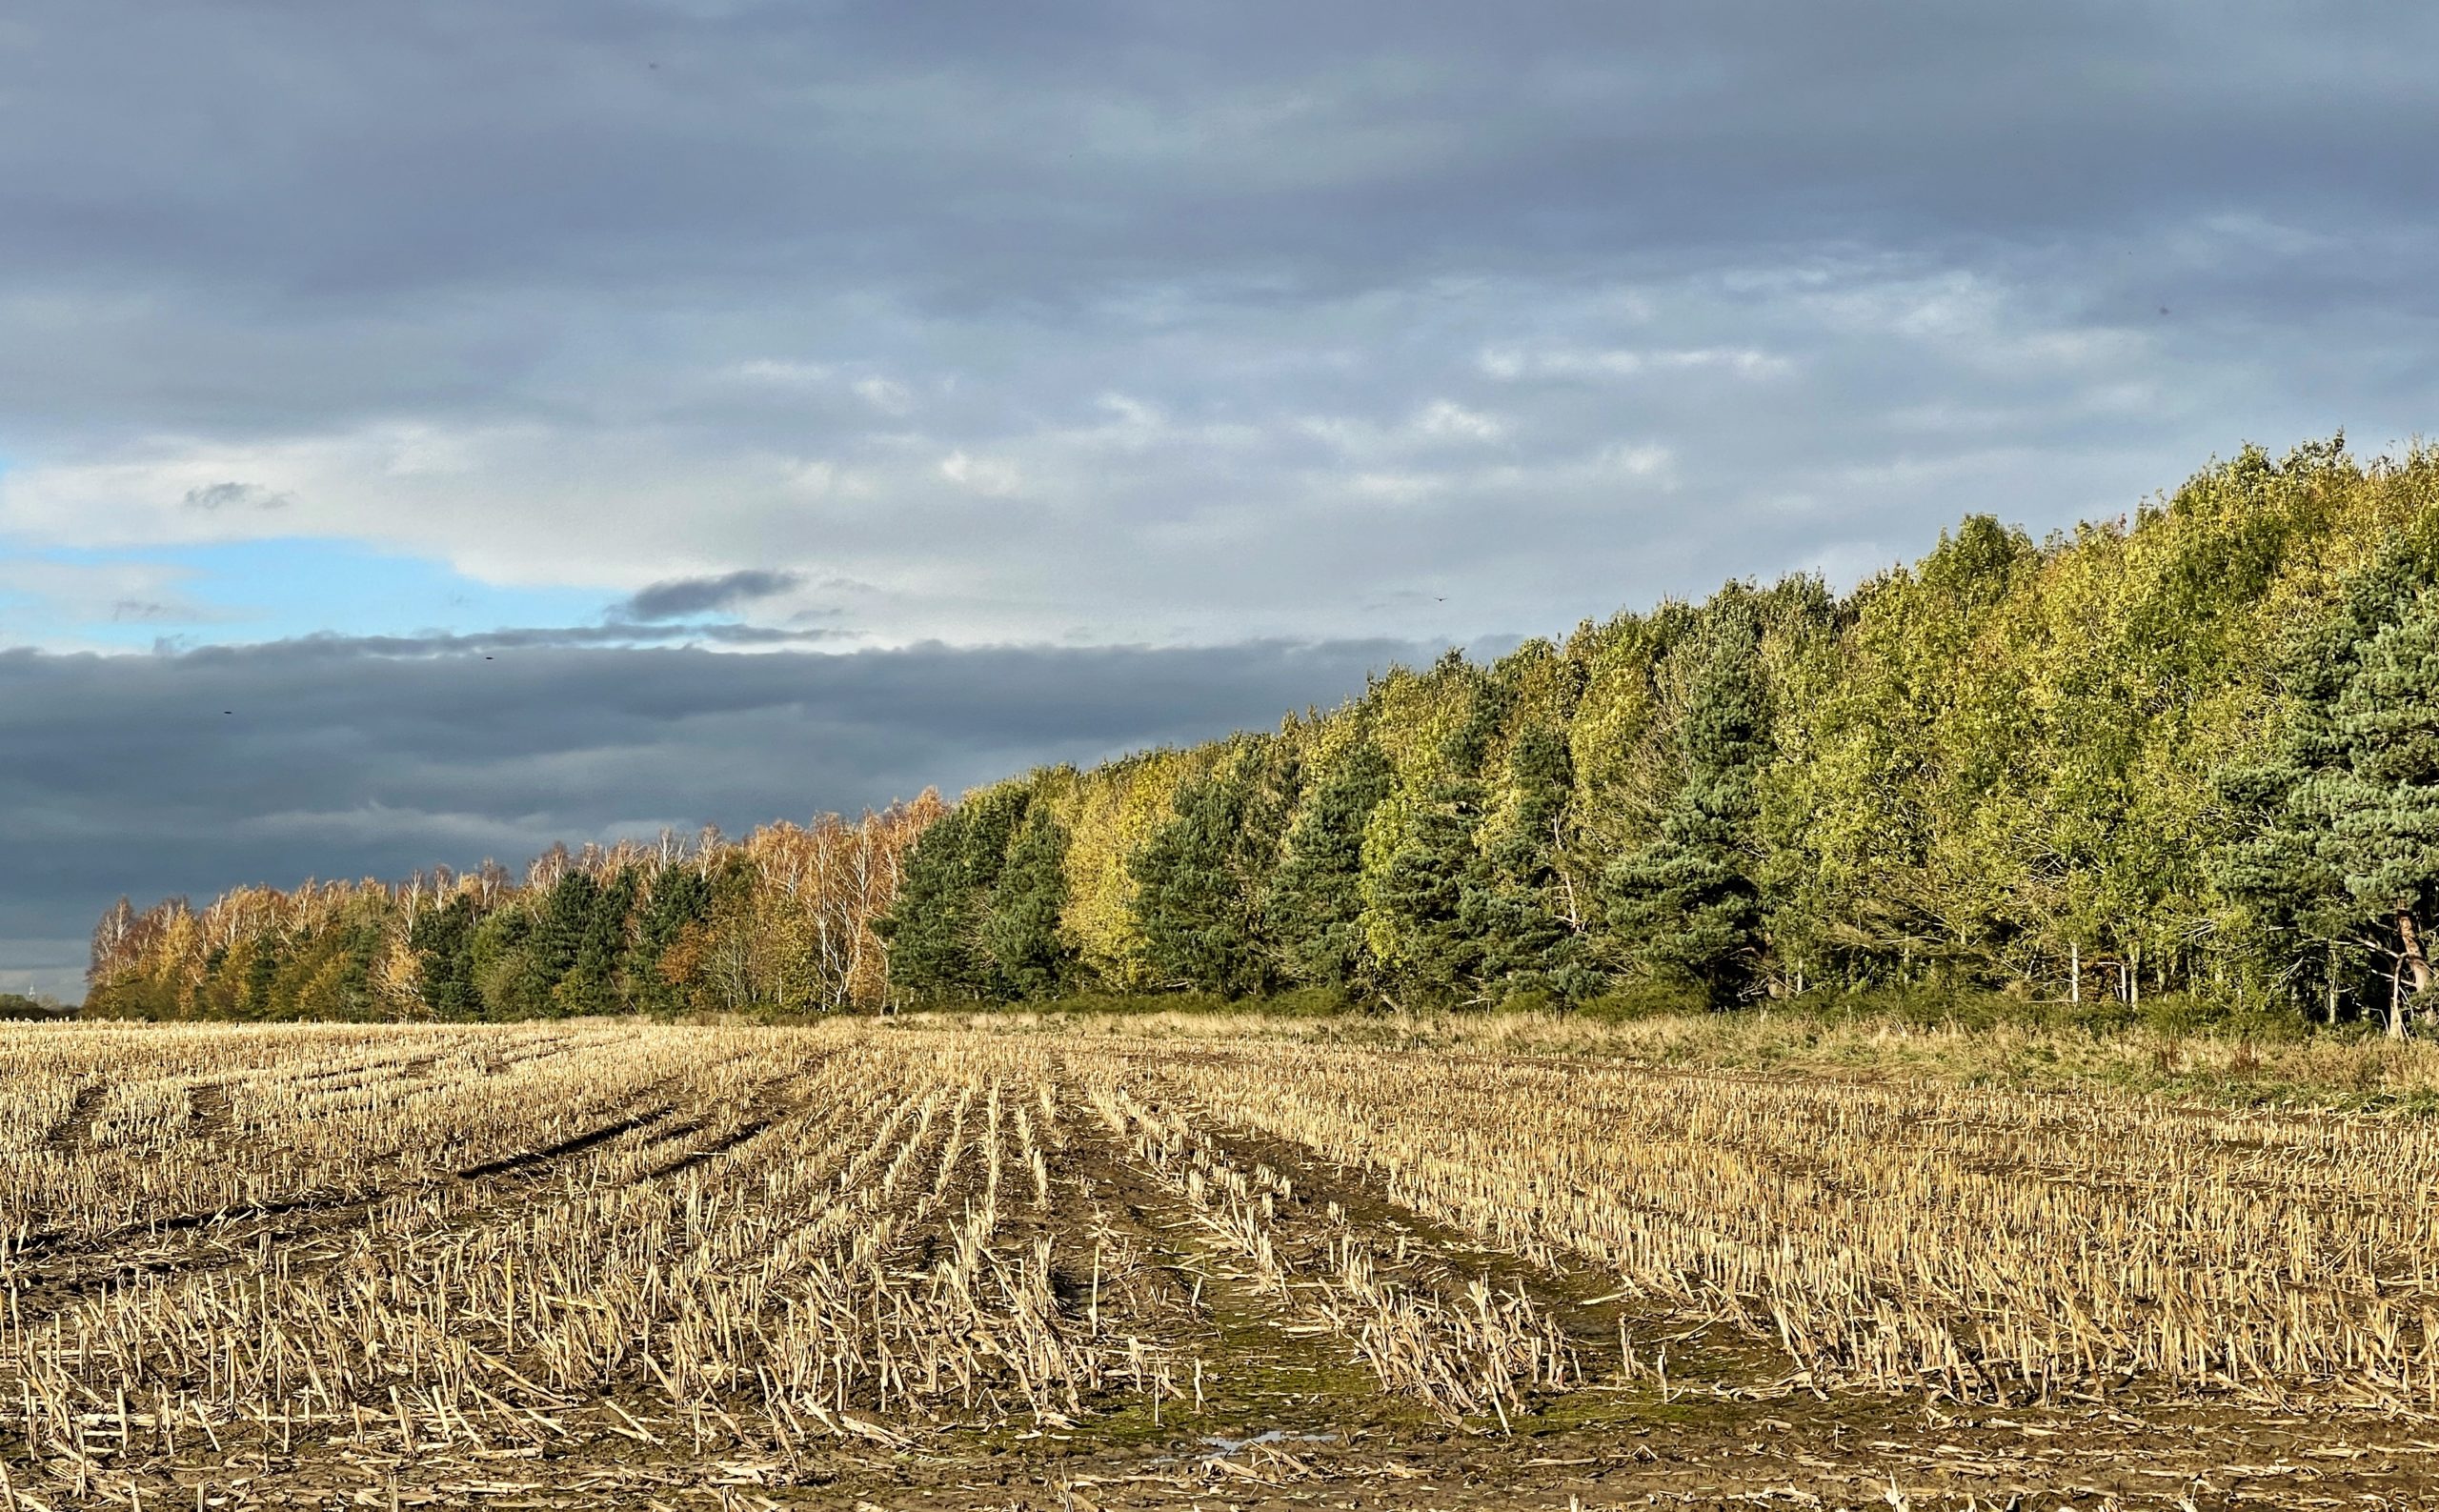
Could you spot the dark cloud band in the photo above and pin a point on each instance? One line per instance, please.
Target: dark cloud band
(680, 597)
(323, 756)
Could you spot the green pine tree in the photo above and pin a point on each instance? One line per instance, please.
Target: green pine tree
(594, 980)
(930, 953)
(2339, 855)
(560, 927)
(2383, 803)
(1433, 867)
(1686, 905)
(1314, 906)
(934, 930)
(680, 898)
(1522, 907)
(1021, 932)
(1203, 878)
(443, 940)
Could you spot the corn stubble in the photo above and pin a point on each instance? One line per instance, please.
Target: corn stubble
(762, 1249)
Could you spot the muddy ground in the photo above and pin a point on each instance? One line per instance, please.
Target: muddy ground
(1279, 1411)
(1286, 1416)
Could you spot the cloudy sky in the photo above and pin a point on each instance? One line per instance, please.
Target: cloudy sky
(798, 403)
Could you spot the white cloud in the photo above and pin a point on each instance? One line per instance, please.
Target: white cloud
(992, 477)
(1508, 364)
(889, 397)
(811, 476)
(1445, 420)
(1201, 465)
(786, 372)
(1635, 461)
(1395, 488)
(1502, 363)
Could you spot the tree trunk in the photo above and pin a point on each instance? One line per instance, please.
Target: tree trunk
(2411, 956)
(2333, 985)
(2410, 960)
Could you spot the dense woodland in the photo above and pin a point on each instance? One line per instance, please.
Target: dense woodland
(782, 919)
(2194, 752)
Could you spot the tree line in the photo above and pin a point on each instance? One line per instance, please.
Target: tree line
(782, 919)
(2195, 751)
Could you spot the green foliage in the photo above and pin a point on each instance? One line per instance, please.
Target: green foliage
(680, 903)
(2381, 802)
(2189, 757)
(1019, 933)
(592, 980)
(934, 931)
(1314, 909)
(1687, 901)
(1434, 869)
(443, 940)
(2342, 850)
(1645, 999)
(1522, 903)
(930, 930)
(511, 973)
(1202, 881)
(563, 927)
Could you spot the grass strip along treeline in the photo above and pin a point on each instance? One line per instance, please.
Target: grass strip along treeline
(2194, 753)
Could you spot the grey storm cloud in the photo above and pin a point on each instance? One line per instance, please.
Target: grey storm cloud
(153, 775)
(675, 597)
(996, 156)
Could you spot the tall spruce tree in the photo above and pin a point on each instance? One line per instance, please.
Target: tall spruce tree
(595, 981)
(2383, 802)
(443, 940)
(1203, 878)
(680, 899)
(930, 954)
(1520, 907)
(561, 930)
(2276, 868)
(2343, 848)
(1314, 907)
(934, 930)
(1686, 905)
(1433, 868)
(1021, 935)
(2337, 825)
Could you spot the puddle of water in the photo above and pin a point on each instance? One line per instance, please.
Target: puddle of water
(1224, 1448)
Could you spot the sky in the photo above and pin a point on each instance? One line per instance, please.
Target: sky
(802, 403)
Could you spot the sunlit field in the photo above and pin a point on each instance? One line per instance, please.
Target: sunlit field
(1046, 1263)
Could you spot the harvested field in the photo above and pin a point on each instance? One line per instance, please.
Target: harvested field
(991, 1264)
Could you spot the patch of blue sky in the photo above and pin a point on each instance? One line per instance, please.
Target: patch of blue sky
(273, 589)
